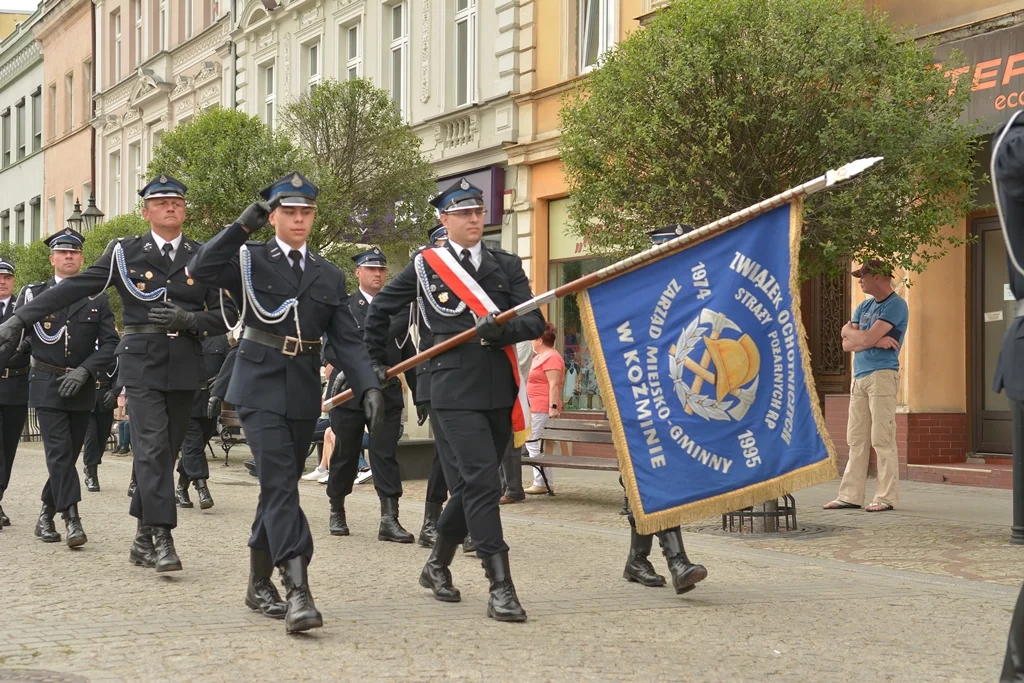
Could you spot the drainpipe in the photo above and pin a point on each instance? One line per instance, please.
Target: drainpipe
(232, 51)
(92, 102)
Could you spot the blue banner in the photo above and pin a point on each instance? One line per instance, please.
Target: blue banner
(706, 375)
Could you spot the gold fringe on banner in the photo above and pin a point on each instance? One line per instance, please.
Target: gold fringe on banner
(809, 475)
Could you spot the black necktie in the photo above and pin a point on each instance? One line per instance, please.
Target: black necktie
(467, 262)
(167, 252)
(296, 256)
(3, 310)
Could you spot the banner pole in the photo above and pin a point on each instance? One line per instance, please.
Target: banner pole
(810, 187)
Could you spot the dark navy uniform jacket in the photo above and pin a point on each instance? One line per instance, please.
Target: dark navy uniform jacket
(471, 376)
(89, 342)
(265, 378)
(155, 361)
(14, 390)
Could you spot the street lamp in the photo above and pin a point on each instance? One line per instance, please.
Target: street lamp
(75, 219)
(92, 215)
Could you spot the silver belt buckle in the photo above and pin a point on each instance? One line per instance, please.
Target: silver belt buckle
(290, 347)
(172, 334)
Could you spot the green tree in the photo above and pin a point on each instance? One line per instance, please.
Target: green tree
(225, 158)
(374, 181)
(718, 104)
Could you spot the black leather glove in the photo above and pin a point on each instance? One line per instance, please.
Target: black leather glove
(422, 412)
(382, 376)
(171, 317)
(255, 216)
(340, 384)
(373, 407)
(213, 408)
(110, 399)
(24, 348)
(488, 330)
(73, 382)
(10, 334)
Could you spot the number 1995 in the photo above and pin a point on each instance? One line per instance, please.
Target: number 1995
(749, 446)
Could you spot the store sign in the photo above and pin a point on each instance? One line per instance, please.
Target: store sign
(562, 244)
(492, 181)
(995, 63)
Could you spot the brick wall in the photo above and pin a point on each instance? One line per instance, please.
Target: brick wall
(921, 438)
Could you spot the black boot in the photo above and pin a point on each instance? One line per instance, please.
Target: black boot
(181, 492)
(92, 480)
(45, 530)
(132, 485)
(205, 499)
(685, 576)
(73, 523)
(435, 574)
(390, 528)
(339, 527)
(166, 558)
(142, 553)
(262, 595)
(468, 546)
(638, 567)
(503, 604)
(428, 534)
(302, 614)
(4, 519)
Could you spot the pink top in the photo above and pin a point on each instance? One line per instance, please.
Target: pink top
(537, 389)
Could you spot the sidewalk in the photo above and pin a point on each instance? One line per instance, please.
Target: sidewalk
(772, 609)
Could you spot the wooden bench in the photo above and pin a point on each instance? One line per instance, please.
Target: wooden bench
(573, 431)
(230, 432)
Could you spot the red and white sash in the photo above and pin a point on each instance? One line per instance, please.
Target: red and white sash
(469, 290)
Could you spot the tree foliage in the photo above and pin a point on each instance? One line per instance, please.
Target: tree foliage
(225, 157)
(374, 181)
(718, 104)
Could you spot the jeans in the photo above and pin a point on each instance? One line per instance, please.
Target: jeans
(124, 434)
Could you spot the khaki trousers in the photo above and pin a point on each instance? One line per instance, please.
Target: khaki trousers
(872, 423)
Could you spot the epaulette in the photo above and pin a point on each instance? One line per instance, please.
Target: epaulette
(420, 249)
(499, 250)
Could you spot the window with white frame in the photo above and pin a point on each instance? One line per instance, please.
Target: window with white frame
(37, 119)
(163, 26)
(19, 126)
(188, 17)
(69, 203)
(313, 65)
(5, 224)
(69, 100)
(37, 219)
(5, 129)
(267, 83)
(115, 57)
(87, 88)
(137, 47)
(135, 164)
(353, 51)
(398, 30)
(596, 31)
(51, 110)
(19, 224)
(115, 184)
(465, 51)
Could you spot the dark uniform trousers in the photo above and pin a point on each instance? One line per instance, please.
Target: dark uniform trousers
(89, 343)
(201, 429)
(437, 484)
(472, 387)
(277, 395)
(98, 433)
(160, 372)
(13, 409)
(348, 421)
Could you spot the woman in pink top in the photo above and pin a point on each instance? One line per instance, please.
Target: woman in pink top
(544, 391)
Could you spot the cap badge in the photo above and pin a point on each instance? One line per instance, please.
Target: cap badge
(296, 181)
(163, 179)
(679, 230)
(67, 231)
(464, 184)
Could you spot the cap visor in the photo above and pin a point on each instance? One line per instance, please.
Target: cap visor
(296, 201)
(162, 194)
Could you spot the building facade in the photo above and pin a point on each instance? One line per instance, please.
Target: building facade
(65, 35)
(21, 140)
(452, 67)
(158, 63)
(9, 22)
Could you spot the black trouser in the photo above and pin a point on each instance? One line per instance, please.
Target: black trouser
(279, 446)
(437, 487)
(159, 420)
(12, 424)
(63, 434)
(193, 462)
(472, 442)
(348, 426)
(97, 436)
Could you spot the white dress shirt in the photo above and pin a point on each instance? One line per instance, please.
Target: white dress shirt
(476, 252)
(369, 299)
(160, 242)
(288, 250)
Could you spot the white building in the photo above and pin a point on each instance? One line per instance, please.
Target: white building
(21, 136)
(452, 67)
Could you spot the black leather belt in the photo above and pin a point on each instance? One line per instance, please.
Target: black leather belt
(14, 372)
(102, 385)
(52, 369)
(150, 329)
(289, 346)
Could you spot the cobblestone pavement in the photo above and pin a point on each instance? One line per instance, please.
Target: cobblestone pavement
(801, 608)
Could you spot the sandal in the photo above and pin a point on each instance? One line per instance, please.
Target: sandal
(839, 505)
(878, 507)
